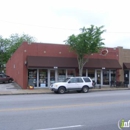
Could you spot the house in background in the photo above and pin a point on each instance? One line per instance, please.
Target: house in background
(40, 64)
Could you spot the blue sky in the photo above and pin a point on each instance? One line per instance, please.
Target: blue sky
(52, 21)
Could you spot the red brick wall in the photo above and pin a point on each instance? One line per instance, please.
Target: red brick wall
(14, 66)
(60, 50)
(20, 74)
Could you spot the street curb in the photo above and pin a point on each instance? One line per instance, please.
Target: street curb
(51, 92)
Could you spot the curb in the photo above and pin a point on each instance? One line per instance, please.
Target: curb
(51, 92)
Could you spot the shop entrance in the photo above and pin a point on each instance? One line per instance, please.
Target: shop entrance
(98, 77)
(52, 76)
(42, 78)
(105, 77)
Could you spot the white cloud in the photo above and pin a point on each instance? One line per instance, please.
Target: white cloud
(52, 21)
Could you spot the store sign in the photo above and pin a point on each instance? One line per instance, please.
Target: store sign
(55, 67)
(104, 52)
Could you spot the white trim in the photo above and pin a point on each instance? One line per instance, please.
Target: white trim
(66, 73)
(37, 78)
(56, 75)
(86, 72)
(65, 127)
(129, 79)
(102, 77)
(48, 77)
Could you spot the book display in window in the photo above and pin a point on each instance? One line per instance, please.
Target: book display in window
(32, 78)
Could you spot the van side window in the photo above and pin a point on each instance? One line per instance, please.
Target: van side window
(73, 80)
(79, 80)
(86, 79)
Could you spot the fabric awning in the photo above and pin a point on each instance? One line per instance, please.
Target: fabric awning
(103, 63)
(49, 62)
(126, 65)
(64, 62)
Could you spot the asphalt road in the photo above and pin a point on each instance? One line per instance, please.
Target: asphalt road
(71, 111)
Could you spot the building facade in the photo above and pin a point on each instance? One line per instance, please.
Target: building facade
(40, 64)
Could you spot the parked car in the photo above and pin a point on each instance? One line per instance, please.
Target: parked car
(5, 78)
(79, 84)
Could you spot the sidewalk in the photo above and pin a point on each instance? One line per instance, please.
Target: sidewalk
(14, 89)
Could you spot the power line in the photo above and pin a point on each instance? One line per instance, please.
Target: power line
(39, 25)
(72, 29)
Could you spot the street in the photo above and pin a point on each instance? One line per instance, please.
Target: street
(70, 111)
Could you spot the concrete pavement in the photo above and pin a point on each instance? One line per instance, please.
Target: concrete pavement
(15, 89)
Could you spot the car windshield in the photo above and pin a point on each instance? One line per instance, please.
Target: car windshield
(66, 79)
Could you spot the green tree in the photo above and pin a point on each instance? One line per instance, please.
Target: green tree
(9, 45)
(3, 47)
(84, 44)
(16, 40)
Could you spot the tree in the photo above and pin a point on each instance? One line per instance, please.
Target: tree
(9, 45)
(14, 41)
(84, 44)
(3, 46)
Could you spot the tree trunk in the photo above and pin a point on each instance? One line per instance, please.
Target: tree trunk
(81, 64)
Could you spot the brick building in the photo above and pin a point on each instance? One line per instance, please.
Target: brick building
(40, 64)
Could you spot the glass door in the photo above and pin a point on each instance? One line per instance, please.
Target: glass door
(32, 77)
(98, 77)
(52, 76)
(42, 77)
(105, 77)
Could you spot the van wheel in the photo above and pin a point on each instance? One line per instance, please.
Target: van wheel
(85, 89)
(61, 90)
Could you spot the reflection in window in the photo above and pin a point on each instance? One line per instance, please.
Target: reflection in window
(32, 77)
(105, 77)
(84, 72)
(73, 80)
(61, 75)
(91, 74)
(79, 80)
(70, 73)
(52, 76)
(86, 79)
(43, 78)
(113, 75)
(126, 76)
(98, 77)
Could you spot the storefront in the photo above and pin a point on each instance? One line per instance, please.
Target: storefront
(126, 67)
(103, 76)
(44, 77)
(58, 69)
(41, 64)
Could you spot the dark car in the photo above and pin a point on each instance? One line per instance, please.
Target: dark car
(5, 78)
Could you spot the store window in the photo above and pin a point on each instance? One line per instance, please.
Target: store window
(126, 76)
(52, 76)
(84, 72)
(113, 75)
(70, 73)
(105, 77)
(42, 77)
(61, 75)
(98, 77)
(91, 74)
(32, 77)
